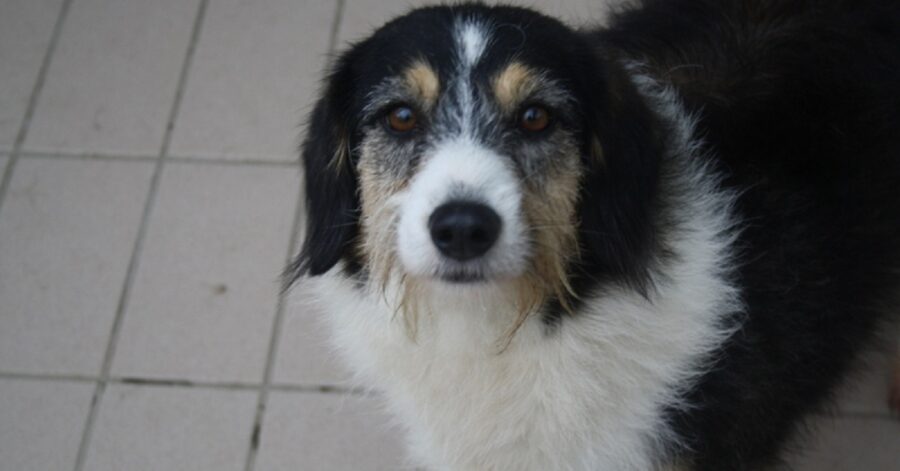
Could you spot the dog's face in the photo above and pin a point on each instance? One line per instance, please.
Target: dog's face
(475, 146)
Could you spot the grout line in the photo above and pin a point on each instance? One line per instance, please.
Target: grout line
(851, 414)
(137, 250)
(227, 386)
(49, 377)
(180, 383)
(233, 160)
(274, 338)
(88, 156)
(278, 321)
(171, 159)
(328, 389)
(32, 100)
(335, 28)
(185, 383)
(183, 78)
(316, 388)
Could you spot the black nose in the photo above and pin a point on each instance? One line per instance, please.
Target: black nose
(463, 231)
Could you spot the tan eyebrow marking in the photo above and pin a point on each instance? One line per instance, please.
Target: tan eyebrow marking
(423, 82)
(514, 84)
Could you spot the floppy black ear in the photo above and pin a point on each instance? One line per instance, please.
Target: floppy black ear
(623, 148)
(331, 186)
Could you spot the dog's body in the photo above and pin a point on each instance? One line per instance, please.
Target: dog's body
(653, 246)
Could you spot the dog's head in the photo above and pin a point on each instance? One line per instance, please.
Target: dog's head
(474, 145)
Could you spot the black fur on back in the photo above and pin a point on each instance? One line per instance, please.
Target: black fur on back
(799, 103)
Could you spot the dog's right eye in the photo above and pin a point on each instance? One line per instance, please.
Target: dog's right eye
(401, 119)
(534, 119)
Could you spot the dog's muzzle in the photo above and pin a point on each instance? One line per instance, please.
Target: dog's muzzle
(460, 216)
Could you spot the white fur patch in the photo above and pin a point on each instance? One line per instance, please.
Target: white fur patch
(471, 38)
(460, 169)
(588, 397)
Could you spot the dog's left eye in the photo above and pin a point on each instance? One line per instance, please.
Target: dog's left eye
(401, 119)
(534, 119)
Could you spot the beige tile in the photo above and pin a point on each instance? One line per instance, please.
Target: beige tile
(67, 230)
(329, 432)
(206, 289)
(41, 423)
(575, 12)
(866, 391)
(25, 30)
(113, 77)
(255, 71)
(852, 444)
(304, 355)
(141, 428)
(361, 17)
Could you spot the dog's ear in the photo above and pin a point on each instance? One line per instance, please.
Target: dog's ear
(331, 187)
(623, 143)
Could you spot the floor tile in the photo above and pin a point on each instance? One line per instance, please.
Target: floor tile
(327, 431)
(206, 289)
(304, 354)
(256, 68)
(141, 428)
(852, 444)
(41, 423)
(866, 391)
(67, 229)
(577, 12)
(25, 30)
(361, 17)
(113, 77)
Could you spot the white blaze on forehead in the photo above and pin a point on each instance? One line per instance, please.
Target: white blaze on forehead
(471, 38)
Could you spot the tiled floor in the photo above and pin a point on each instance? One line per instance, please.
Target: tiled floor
(149, 199)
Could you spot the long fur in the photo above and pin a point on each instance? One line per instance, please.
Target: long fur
(694, 253)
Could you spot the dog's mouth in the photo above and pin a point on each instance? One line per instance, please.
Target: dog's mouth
(461, 276)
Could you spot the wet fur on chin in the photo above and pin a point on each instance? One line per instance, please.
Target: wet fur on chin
(698, 248)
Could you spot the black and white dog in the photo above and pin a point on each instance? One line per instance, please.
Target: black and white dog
(653, 246)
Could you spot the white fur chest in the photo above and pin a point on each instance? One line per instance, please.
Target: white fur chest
(588, 396)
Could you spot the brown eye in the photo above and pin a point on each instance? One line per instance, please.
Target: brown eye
(401, 119)
(534, 119)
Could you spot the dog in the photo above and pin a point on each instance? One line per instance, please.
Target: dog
(655, 245)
